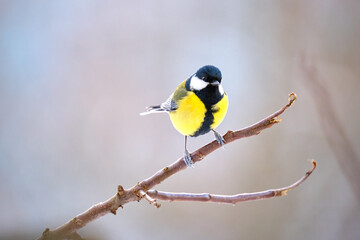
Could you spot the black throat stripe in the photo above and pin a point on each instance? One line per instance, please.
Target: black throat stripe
(205, 126)
(209, 96)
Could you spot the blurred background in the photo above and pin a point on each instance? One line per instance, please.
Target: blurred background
(74, 76)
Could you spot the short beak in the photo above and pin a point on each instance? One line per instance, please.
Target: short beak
(215, 83)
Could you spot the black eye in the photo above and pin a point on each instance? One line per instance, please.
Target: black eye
(203, 78)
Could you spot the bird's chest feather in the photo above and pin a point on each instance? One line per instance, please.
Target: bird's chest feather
(189, 115)
(193, 117)
(219, 111)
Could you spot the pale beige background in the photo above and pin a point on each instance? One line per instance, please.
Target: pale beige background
(74, 76)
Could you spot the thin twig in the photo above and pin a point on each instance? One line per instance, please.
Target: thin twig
(152, 201)
(124, 196)
(231, 199)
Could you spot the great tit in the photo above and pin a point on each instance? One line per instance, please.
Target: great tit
(198, 105)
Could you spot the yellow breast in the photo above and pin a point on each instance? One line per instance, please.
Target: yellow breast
(189, 115)
(220, 110)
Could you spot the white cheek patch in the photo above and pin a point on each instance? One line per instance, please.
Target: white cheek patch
(197, 84)
(221, 90)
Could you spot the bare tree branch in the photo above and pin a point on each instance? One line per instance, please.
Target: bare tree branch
(231, 199)
(138, 191)
(149, 199)
(332, 127)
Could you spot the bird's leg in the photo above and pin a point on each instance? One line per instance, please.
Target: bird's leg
(219, 138)
(187, 157)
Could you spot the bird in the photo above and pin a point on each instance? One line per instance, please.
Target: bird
(197, 106)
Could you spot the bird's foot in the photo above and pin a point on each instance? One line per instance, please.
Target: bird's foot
(219, 138)
(187, 159)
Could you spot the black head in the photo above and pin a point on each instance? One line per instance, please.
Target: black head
(209, 74)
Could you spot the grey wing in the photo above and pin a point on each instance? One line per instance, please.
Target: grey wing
(169, 105)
